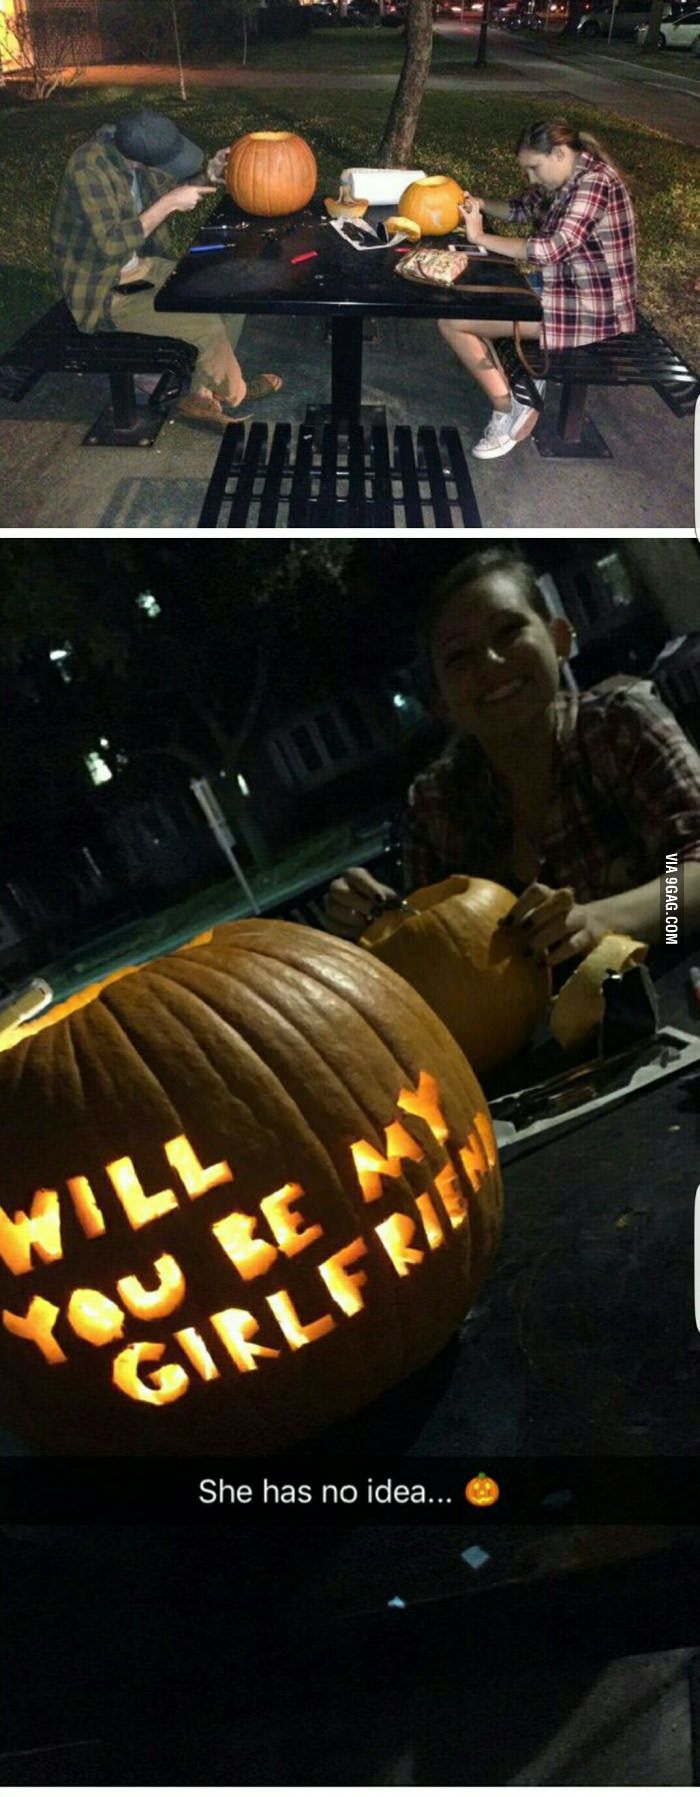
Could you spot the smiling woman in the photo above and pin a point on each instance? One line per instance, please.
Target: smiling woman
(571, 800)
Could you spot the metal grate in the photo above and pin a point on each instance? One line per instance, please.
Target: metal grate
(640, 358)
(646, 358)
(54, 345)
(354, 480)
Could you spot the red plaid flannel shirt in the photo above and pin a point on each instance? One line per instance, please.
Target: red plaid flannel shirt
(584, 247)
(625, 793)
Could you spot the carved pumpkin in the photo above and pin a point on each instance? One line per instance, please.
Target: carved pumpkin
(246, 1188)
(482, 1491)
(475, 975)
(433, 204)
(271, 172)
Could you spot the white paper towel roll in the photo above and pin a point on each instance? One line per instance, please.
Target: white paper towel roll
(380, 186)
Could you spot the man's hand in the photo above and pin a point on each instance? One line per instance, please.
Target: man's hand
(186, 197)
(353, 900)
(553, 926)
(216, 167)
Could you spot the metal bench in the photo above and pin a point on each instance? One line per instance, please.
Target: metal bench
(351, 480)
(642, 358)
(54, 345)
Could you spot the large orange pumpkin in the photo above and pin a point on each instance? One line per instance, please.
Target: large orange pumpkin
(433, 204)
(474, 973)
(271, 172)
(246, 1188)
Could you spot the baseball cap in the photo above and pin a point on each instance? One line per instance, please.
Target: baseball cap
(153, 139)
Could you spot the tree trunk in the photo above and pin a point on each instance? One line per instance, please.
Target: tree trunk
(652, 37)
(480, 60)
(397, 143)
(178, 52)
(245, 37)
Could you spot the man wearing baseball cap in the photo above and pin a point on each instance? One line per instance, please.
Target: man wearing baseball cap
(112, 254)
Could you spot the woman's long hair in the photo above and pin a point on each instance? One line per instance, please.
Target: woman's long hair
(547, 134)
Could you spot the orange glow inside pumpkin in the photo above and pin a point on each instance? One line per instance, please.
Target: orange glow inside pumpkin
(167, 1384)
(96, 1318)
(168, 1294)
(404, 1236)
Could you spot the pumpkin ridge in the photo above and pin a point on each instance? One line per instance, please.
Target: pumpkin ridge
(348, 1206)
(353, 1002)
(285, 1093)
(286, 1083)
(146, 1072)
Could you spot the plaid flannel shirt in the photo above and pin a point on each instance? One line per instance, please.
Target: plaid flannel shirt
(625, 793)
(96, 227)
(584, 247)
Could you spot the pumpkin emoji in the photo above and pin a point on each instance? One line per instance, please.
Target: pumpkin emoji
(450, 945)
(482, 1491)
(271, 172)
(246, 1188)
(433, 205)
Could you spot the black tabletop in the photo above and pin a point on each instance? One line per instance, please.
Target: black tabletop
(244, 264)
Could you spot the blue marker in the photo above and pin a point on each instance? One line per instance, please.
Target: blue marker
(197, 249)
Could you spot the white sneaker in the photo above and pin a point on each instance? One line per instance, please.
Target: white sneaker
(505, 430)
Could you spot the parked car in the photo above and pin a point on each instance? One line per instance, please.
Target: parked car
(514, 15)
(629, 15)
(451, 9)
(394, 13)
(362, 12)
(550, 15)
(323, 12)
(679, 33)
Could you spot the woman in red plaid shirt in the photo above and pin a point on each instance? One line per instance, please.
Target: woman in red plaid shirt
(573, 800)
(580, 234)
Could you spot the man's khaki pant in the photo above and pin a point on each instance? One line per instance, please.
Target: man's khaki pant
(215, 338)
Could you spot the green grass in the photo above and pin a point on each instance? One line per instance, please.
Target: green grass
(464, 133)
(378, 50)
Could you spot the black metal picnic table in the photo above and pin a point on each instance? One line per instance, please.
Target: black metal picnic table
(299, 265)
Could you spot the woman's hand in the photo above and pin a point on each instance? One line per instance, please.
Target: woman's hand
(554, 927)
(352, 902)
(216, 167)
(473, 218)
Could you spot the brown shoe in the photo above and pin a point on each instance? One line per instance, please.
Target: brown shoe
(193, 408)
(261, 386)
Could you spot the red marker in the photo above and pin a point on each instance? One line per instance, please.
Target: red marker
(694, 977)
(307, 257)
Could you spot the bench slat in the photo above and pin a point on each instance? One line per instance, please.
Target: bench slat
(253, 455)
(300, 495)
(452, 443)
(428, 448)
(328, 482)
(272, 490)
(357, 498)
(405, 456)
(382, 499)
(216, 490)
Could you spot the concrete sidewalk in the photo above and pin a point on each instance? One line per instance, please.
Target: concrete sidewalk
(666, 104)
(51, 481)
